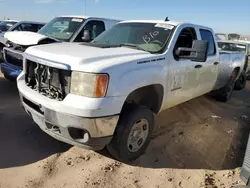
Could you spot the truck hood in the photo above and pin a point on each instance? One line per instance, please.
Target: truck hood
(83, 57)
(25, 38)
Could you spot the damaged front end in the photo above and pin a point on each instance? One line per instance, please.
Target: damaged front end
(51, 82)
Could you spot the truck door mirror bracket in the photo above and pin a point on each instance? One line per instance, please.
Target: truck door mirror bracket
(198, 52)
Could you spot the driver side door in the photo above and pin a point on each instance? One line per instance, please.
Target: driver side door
(183, 75)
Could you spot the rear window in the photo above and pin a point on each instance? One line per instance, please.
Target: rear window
(208, 36)
(231, 47)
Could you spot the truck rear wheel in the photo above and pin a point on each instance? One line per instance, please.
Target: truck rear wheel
(225, 93)
(132, 134)
(241, 82)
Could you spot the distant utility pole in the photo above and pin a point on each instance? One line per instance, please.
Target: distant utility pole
(85, 6)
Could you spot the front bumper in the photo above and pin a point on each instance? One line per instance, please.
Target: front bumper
(90, 133)
(10, 70)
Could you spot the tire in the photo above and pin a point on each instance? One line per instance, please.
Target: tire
(121, 146)
(225, 93)
(241, 82)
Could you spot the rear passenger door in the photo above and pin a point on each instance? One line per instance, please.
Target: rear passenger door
(209, 71)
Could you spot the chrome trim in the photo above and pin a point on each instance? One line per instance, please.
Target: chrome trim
(46, 62)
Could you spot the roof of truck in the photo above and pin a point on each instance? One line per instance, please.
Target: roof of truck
(174, 23)
(86, 17)
(235, 41)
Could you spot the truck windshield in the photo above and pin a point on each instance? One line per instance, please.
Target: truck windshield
(62, 28)
(150, 37)
(5, 25)
(232, 47)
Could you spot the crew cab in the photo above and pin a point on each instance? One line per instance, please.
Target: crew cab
(13, 25)
(107, 92)
(59, 29)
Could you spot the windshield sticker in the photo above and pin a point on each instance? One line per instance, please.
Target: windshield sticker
(164, 25)
(77, 20)
(9, 25)
(150, 36)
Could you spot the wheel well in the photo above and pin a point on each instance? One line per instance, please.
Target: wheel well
(150, 96)
(46, 41)
(235, 72)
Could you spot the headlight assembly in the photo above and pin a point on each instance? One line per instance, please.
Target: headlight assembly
(89, 84)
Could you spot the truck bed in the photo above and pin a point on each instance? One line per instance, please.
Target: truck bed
(228, 60)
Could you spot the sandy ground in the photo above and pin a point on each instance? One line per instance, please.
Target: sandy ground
(197, 144)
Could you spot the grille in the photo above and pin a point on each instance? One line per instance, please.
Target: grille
(49, 81)
(13, 58)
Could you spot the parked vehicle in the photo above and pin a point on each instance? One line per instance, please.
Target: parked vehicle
(236, 47)
(227, 36)
(13, 25)
(60, 29)
(106, 92)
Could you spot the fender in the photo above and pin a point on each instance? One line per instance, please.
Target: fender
(135, 77)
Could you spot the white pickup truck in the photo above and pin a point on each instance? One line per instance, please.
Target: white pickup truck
(107, 92)
(60, 29)
(13, 25)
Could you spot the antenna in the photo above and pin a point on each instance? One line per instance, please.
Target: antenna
(166, 19)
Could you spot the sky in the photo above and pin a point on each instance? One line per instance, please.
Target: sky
(221, 15)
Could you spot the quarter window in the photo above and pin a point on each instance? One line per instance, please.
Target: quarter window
(208, 36)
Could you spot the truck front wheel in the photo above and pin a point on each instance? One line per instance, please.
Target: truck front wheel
(132, 134)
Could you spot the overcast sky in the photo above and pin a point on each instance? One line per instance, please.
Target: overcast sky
(222, 15)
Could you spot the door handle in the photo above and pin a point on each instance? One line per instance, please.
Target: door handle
(216, 63)
(197, 66)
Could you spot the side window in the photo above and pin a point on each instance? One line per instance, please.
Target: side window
(208, 36)
(26, 27)
(185, 39)
(95, 28)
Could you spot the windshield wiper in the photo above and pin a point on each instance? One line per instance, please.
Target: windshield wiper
(132, 46)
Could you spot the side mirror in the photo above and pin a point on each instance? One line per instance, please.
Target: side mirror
(198, 52)
(86, 36)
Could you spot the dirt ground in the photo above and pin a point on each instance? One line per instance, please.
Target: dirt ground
(200, 143)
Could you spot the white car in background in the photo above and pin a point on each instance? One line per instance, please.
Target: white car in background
(60, 29)
(14, 25)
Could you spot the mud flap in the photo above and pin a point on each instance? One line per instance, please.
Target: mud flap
(245, 170)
